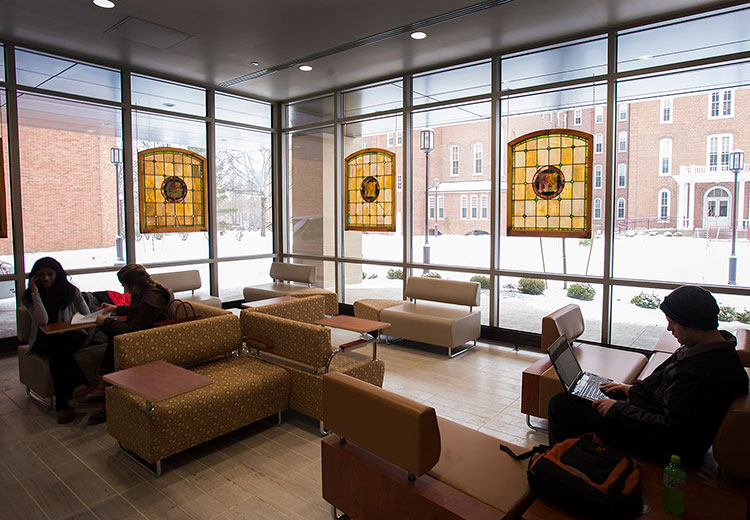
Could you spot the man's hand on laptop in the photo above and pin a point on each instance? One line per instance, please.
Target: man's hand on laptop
(612, 389)
(603, 405)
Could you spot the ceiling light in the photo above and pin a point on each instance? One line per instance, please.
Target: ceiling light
(106, 4)
(645, 57)
(254, 63)
(305, 68)
(418, 35)
(170, 105)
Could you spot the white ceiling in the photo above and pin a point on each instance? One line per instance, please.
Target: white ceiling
(218, 40)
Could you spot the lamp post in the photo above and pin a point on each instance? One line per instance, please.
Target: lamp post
(426, 144)
(736, 164)
(436, 185)
(115, 157)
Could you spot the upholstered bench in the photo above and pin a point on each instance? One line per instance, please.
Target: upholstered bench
(393, 455)
(183, 281)
(291, 280)
(426, 319)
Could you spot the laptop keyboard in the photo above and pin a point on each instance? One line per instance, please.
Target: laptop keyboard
(589, 387)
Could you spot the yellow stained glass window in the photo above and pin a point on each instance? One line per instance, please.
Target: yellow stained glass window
(172, 186)
(370, 179)
(549, 192)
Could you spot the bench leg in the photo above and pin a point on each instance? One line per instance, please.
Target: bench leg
(336, 516)
(154, 469)
(45, 402)
(539, 429)
(452, 355)
(323, 431)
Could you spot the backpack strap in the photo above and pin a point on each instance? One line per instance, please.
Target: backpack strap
(540, 448)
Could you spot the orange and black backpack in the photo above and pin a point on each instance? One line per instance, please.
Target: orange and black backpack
(585, 476)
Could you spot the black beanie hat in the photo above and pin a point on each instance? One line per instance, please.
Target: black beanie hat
(693, 307)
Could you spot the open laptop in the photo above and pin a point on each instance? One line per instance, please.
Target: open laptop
(576, 382)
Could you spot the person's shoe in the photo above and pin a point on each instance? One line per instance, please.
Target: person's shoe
(93, 399)
(98, 417)
(65, 416)
(80, 391)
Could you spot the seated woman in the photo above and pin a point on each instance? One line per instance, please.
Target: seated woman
(51, 298)
(148, 304)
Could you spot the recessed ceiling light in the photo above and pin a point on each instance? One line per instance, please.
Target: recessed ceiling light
(106, 4)
(170, 105)
(418, 35)
(645, 57)
(254, 63)
(305, 68)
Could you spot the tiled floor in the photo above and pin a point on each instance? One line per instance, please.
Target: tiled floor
(261, 471)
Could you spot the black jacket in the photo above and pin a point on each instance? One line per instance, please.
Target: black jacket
(679, 407)
(144, 309)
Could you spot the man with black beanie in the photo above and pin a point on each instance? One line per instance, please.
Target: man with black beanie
(679, 407)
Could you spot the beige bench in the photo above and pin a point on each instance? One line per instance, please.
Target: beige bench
(425, 318)
(183, 281)
(394, 456)
(291, 280)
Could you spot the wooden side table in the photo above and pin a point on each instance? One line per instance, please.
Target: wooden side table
(360, 325)
(267, 301)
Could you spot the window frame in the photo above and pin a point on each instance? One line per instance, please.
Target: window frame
(478, 161)
(665, 142)
(662, 206)
(598, 143)
(464, 209)
(620, 208)
(577, 117)
(598, 173)
(440, 207)
(598, 114)
(622, 174)
(622, 141)
(474, 205)
(484, 207)
(431, 207)
(597, 209)
(719, 154)
(721, 103)
(666, 108)
(454, 157)
(622, 112)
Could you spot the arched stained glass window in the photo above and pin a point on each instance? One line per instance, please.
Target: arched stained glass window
(370, 182)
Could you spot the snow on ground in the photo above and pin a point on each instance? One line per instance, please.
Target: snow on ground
(684, 259)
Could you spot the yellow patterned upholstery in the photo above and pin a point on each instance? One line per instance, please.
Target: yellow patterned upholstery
(298, 341)
(331, 298)
(244, 390)
(308, 309)
(180, 344)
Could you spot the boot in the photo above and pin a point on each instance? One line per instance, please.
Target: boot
(94, 398)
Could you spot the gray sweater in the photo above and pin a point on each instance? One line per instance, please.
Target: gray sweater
(39, 313)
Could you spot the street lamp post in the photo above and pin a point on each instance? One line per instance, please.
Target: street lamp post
(435, 185)
(736, 164)
(426, 144)
(115, 157)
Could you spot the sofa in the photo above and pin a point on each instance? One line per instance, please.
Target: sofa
(180, 282)
(285, 334)
(426, 319)
(392, 457)
(245, 388)
(291, 280)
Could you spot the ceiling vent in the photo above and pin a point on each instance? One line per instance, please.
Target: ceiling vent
(147, 33)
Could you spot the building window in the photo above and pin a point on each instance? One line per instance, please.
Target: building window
(597, 208)
(720, 104)
(598, 176)
(390, 139)
(399, 137)
(484, 200)
(474, 207)
(398, 182)
(464, 207)
(665, 111)
(718, 149)
(599, 114)
(431, 207)
(620, 208)
(621, 171)
(577, 117)
(598, 143)
(665, 157)
(622, 142)
(664, 205)
(562, 120)
(478, 159)
(623, 112)
(454, 160)
(441, 207)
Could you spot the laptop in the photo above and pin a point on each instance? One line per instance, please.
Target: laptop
(576, 382)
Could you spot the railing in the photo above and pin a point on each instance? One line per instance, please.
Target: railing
(646, 224)
(704, 169)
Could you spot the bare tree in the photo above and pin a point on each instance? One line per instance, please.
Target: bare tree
(243, 177)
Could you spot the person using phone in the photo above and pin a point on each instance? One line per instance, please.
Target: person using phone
(51, 298)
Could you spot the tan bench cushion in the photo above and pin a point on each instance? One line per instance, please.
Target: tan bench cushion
(656, 359)
(472, 462)
(446, 291)
(432, 323)
(270, 290)
(566, 320)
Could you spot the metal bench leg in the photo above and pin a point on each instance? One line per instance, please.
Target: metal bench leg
(46, 402)
(535, 428)
(336, 516)
(154, 469)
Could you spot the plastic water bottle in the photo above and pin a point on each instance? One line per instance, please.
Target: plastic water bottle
(674, 487)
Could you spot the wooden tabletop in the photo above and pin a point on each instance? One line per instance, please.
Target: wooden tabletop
(351, 323)
(268, 301)
(64, 326)
(158, 380)
(701, 501)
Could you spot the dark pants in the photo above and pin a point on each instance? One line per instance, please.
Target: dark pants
(65, 371)
(108, 361)
(572, 417)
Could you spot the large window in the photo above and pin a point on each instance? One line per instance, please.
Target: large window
(721, 104)
(718, 148)
(665, 156)
(454, 160)
(664, 204)
(478, 159)
(598, 176)
(621, 175)
(665, 111)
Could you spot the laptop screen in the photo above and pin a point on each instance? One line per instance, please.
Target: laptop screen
(566, 364)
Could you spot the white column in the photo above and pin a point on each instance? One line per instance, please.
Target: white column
(691, 205)
(680, 224)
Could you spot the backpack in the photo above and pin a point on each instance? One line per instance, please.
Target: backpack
(585, 476)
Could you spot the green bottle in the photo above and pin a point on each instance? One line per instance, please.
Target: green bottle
(674, 487)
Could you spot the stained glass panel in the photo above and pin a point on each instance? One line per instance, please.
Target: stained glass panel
(550, 184)
(172, 190)
(370, 183)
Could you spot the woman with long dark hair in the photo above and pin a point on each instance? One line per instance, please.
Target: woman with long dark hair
(148, 304)
(51, 298)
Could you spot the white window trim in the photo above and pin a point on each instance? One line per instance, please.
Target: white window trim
(659, 205)
(440, 207)
(600, 169)
(597, 207)
(622, 109)
(464, 210)
(598, 114)
(721, 104)
(431, 207)
(623, 176)
(662, 155)
(480, 147)
(452, 160)
(719, 138)
(474, 208)
(621, 142)
(666, 103)
(577, 117)
(617, 209)
(399, 138)
(389, 139)
(484, 207)
(599, 139)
